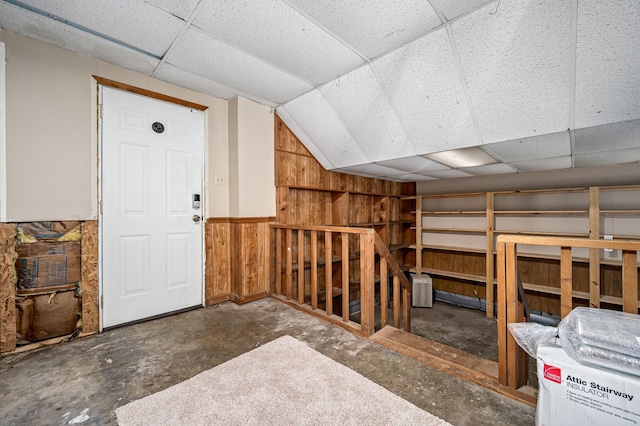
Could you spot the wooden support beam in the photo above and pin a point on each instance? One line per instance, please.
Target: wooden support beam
(406, 312)
(566, 281)
(314, 269)
(345, 277)
(288, 284)
(300, 266)
(89, 279)
(630, 281)
(367, 284)
(418, 235)
(594, 254)
(328, 270)
(396, 301)
(278, 261)
(502, 314)
(512, 314)
(489, 255)
(384, 293)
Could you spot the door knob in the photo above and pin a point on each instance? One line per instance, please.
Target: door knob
(196, 218)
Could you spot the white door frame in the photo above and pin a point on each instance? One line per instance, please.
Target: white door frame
(99, 194)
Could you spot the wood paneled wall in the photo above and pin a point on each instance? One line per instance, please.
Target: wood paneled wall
(8, 281)
(89, 277)
(239, 264)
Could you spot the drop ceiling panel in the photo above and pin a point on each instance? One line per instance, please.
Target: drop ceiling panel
(427, 94)
(18, 20)
(371, 170)
(453, 8)
(199, 53)
(608, 137)
(306, 140)
(373, 27)
(517, 67)
(413, 178)
(489, 169)
(607, 55)
(291, 42)
(175, 75)
(413, 164)
(133, 22)
(447, 174)
(181, 9)
(364, 109)
(321, 124)
(607, 158)
(542, 165)
(536, 147)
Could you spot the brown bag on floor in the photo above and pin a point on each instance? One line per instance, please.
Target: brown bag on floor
(54, 315)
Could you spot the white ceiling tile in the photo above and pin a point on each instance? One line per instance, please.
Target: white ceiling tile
(373, 27)
(427, 94)
(451, 9)
(371, 170)
(447, 174)
(543, 165)
(608, 137)
(200, 54)
(412, 164)
(31, 25)
(181, 9)
(415, 178)
(364, 109)
(607, 57)
(302, 136)
(132, 22)
(535, 147)
(489, 169)
(175, 75)
(607, 158)
(517, 67)
(321, 124)
(276, 33)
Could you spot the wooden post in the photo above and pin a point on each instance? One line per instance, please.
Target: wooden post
(630, 281)
(406, 312)
(396, 301)
(502, 315)
(301, 266)
(512, 313)
(314, 269)
(384, 292)
(566, 281)
(367, 284)
(345, 277)
(89, 268)
(328, 271)
(594, 254)
(489, 255)
(278, 261)
(288, 284)
(418, 235)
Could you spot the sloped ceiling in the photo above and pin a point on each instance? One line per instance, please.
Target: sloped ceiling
(376, 87)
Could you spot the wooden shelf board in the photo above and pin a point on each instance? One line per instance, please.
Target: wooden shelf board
(541, 212)
(456, 213)
(620, 212)
(548, 234)
(451, 274)
(450, 248)
(452, 230)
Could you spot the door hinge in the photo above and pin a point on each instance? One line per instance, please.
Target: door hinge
(100, 207)
(102, 302)
(100, 111)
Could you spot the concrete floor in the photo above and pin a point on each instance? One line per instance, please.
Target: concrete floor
(84, 381)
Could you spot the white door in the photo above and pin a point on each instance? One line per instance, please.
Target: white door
(152, 168)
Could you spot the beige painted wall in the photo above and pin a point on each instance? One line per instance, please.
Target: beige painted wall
(251, 145)
(52, 138)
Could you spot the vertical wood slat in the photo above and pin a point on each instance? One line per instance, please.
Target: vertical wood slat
(278, 261)
(314, 270)
(502, 315)
(489, 255)
(396, 301)
(418, 235)
(566, 281)
(367, 284)
(328, 281)
(406, 313)
(288, 284)
(345, 276)
(300, 266)
(384, 292)
(594, 254)
(511, 266)
(630, 281)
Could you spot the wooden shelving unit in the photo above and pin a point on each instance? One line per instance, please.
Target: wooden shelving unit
(572, 212)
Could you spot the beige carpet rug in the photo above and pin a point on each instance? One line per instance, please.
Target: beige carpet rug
(283, 382)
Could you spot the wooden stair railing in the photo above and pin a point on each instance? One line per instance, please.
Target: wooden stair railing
(331, 264)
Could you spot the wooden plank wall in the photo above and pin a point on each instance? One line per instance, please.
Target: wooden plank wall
(8, 281)
(217, 239)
